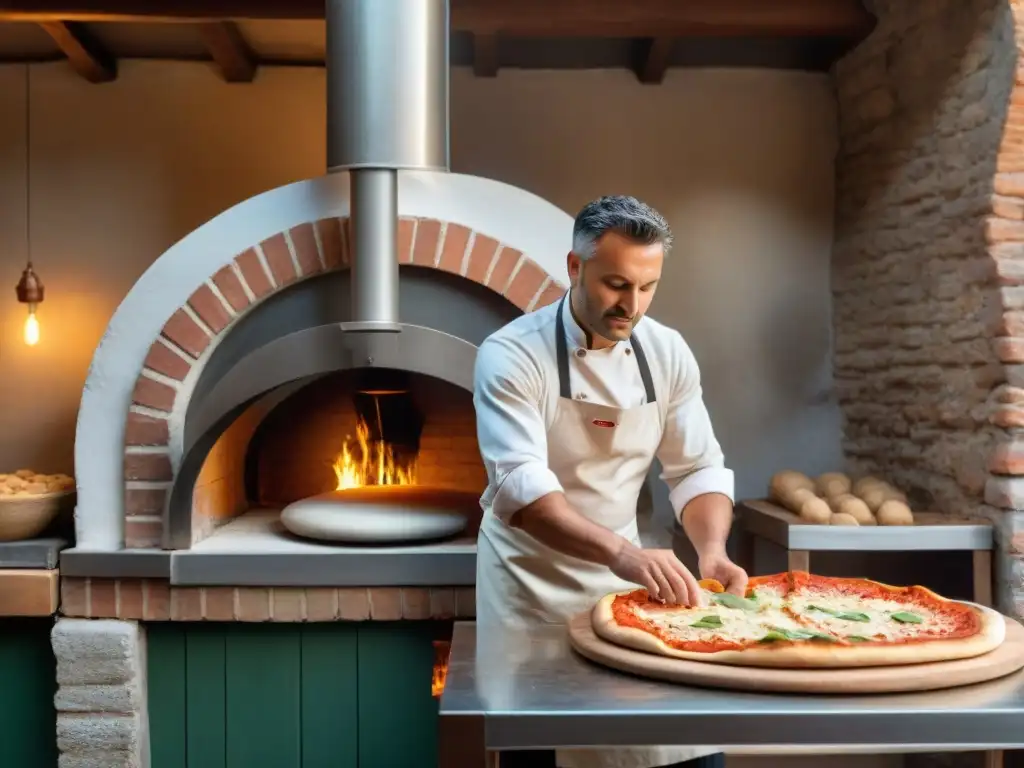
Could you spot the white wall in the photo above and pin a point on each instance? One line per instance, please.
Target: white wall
(739, 161)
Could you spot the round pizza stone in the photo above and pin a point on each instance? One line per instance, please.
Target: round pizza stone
(381, 514)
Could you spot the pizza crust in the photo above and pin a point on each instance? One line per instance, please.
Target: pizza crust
(990, 636)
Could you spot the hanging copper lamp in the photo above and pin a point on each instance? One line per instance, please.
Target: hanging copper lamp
(30, 288)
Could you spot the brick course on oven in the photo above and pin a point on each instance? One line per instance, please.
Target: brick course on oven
(301, 252)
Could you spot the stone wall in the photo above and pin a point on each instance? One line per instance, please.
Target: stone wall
(101, 694)
(928, 267)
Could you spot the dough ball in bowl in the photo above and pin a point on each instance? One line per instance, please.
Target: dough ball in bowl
(815, 511)
(856, 509)
(786, 482)
(832, 484)
(894, 512)
(842, 518)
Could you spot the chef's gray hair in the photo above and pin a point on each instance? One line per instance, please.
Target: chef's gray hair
(618, 213)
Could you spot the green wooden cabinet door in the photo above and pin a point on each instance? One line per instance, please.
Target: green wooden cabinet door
(338, 695)
(397, 712)
(28, 681)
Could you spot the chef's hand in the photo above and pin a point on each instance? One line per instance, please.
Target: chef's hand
(717, 565)
(659, 572)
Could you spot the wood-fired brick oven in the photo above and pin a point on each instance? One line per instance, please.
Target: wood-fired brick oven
(230, 384)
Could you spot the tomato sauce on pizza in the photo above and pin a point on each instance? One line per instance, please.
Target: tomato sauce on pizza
(805, 620)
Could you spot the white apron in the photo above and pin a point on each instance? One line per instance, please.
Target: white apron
(601, 456)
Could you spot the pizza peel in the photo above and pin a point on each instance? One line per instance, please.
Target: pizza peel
(1004, 660)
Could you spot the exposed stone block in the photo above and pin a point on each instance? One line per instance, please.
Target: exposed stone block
(98, 698)
(84, 732)
(113, 758)
(93, 652)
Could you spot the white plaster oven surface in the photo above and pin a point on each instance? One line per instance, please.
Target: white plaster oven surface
(259, 531)
(521, 219)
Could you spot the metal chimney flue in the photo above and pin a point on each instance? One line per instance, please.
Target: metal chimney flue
(387, 110)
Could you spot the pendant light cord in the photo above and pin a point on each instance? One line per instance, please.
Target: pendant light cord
(28, 163)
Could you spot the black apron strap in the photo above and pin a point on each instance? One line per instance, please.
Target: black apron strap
(562, 354)
(562, 358)
(645, 369)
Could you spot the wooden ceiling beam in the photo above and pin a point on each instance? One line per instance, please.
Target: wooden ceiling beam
(229, 51)
(485, 55)
(85, 54)
(652, 59)
(541, 18)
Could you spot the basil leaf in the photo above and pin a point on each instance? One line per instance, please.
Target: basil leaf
(730, 600)
(857, 639)
(906, 617)
(708, 622)
(829, 611)
(853, 616)
(777, 633)
(846, 615)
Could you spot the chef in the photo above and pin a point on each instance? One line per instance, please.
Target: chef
(573, 403)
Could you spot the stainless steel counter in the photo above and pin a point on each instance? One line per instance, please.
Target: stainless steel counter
(530, 690)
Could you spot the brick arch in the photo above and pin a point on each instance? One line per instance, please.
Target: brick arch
(187, 338)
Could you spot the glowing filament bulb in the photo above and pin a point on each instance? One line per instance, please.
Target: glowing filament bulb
(31, 331)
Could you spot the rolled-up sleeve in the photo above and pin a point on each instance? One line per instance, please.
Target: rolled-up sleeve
(691, 458)
(507, 393)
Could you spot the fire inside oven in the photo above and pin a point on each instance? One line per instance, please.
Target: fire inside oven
(385, 448)
(372, 456)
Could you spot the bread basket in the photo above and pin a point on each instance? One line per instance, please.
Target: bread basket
(25, 515)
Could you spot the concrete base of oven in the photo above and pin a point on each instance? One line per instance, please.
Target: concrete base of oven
(101, 694)
(253, 550)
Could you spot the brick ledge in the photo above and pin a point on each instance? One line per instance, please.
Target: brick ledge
(28, 592)
(157, 600)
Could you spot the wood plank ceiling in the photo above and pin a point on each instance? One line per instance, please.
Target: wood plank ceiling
(653, 29)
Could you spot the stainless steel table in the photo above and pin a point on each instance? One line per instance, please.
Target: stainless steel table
(757, 518)
(530, 690)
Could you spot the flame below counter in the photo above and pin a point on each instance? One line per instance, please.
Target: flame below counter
(381, 514)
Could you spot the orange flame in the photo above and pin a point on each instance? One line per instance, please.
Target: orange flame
(442, 649)
(371, 462)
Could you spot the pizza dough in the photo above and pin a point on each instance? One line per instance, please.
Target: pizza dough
(841, 518)
(799, 620)
(832, 484)
(26, 482)
(855, 508)
(815, 511)
(849, 502)
(784, 484)
(893, 512)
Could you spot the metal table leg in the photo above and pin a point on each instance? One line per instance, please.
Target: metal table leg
(461, 743)
(982, 567)
(799, 560)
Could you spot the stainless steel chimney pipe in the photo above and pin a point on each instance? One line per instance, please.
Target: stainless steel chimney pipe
(387, 109)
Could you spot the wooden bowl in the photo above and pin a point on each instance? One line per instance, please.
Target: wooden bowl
(26, 516)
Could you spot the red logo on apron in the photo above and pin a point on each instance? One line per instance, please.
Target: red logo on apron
(603, 423)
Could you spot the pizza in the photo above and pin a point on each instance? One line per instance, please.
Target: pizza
(799, 620)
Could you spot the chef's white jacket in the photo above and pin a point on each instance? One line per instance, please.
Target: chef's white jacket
(517, 390)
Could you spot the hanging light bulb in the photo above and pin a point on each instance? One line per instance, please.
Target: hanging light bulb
(30, 291)
(30, 288)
